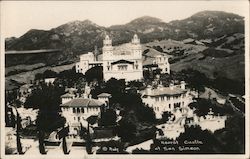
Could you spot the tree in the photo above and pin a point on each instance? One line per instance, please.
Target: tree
(145, 113)
(166, 115)
(202, 107)
(41, 142)
(94, 73)
(108, 118)
(47, 100)
(49, 74)
(92, 119)
(89, 143)
(18, 129)
(126, 130)
(232, 136)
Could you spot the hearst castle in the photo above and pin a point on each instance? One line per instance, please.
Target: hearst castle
(126, 62)
(122, 62)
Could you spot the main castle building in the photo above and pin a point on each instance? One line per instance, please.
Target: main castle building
(120, 62)
(123, 62)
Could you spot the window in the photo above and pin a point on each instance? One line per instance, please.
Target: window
(108, 67)
(156, 99)
(122, 67)
(74, 110)
(78, 110)
(136, 67)
(78, 118)
(169, 106)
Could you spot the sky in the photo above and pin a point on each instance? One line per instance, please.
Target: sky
(18, 17)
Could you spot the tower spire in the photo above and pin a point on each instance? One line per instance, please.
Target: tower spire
(95, 53)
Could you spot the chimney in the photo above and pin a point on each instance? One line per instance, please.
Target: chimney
(171, 86)
(183, 85)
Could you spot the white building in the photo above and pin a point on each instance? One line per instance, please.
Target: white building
(67, 97)
(121, 62)
(124, 62)
(104, 97)
(156, 60)
(50, 80)
(169, 98)
(173, 129)
(86, 62)
(211, 122)
(77, 110)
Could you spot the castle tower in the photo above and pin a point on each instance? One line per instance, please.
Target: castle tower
(95, 53)
(107, 41)
(135, 40)
(107, 48)
(136, 47)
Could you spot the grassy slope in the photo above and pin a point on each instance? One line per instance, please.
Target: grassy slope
(25, 77)
(231, 67)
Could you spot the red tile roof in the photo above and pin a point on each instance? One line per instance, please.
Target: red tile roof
(82, 102)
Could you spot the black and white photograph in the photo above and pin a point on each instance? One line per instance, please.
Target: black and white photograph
(93, 79)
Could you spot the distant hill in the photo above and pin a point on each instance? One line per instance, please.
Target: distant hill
(78, 37)
(208, 41)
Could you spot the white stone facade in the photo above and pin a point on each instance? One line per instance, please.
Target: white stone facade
(121, 62)
(165, 99)
(124, 62)
(77, 111)
(86, 62)
(163, 64)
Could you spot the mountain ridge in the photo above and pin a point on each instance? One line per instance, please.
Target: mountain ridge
(78, 37)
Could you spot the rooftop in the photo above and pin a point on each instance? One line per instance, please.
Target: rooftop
(104, 95)
(82, 102)
(150, 56)
(165, 91)
(26, 86)
(67, 95)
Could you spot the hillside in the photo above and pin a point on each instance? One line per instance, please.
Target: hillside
(211, 42)
(78, 37)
